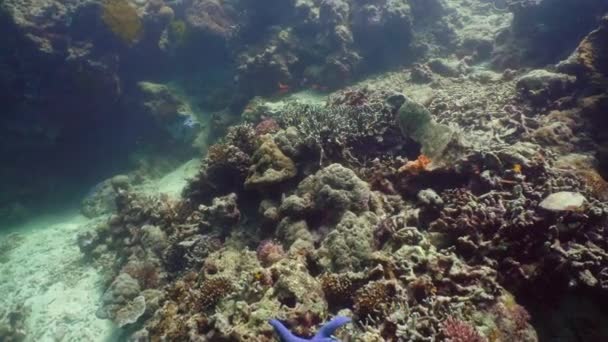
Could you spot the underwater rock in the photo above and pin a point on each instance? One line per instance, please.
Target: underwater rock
(221, 215)
(545, 31)
(170, 111)
(270, 166)
(383, 26)
(212, 17)
(588, 61)
(563, 201)
(101, 199)
(223, 171)
(430, 198)
(541, 86)
(446, 67)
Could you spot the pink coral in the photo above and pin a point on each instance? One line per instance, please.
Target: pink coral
(266, 126)
(269, 252)
(456, 330)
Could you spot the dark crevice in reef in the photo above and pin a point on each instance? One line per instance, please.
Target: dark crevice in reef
(567, 315)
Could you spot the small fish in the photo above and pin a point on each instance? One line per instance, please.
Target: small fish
(283, 88)
(517, 168)
(319, 87)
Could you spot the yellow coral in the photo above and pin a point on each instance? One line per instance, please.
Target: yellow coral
(122, 19)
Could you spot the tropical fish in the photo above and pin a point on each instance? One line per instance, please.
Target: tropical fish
(283, 88)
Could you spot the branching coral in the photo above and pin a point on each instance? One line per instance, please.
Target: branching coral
(351, 125)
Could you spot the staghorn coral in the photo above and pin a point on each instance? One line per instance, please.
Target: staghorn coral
(122, 19)
(337, 124)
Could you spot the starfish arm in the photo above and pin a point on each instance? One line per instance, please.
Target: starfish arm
(330, 327)
(283, 332)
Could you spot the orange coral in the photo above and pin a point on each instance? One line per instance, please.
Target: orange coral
(416, 166)
(122, 19)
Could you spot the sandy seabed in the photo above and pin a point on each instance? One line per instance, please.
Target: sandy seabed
(43, 271)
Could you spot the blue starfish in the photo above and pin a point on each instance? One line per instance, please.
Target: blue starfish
(323, 335)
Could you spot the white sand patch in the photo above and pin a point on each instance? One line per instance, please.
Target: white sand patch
(172, 183)
(45, 273)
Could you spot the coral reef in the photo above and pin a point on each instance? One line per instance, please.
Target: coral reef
(439, 201)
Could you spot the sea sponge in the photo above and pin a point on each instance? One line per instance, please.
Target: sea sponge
(122, 19)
